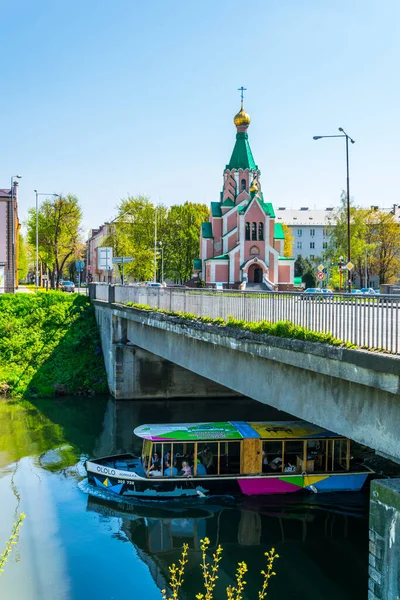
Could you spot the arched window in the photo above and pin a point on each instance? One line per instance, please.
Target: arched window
(243, 185)
(261, 231)
(254, 231)
(247, 231)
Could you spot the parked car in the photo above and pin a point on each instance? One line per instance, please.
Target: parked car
(370, 291)
(153, 284)
(326, 291)
(67, 286)
(358, 292)
(311, 291)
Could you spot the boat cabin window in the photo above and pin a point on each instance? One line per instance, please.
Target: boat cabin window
(229, 458)
(146, 453)
(271, 456)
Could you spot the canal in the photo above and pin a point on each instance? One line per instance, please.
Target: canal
(76, 545)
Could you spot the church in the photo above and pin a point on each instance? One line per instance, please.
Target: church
(241, 245)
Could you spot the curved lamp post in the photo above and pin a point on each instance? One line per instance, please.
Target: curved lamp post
(343, 134)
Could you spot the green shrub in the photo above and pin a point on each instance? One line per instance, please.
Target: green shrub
(49, 343)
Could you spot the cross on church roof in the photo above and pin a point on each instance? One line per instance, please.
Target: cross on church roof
(241, 90)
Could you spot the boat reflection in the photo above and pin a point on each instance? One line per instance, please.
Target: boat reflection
(308, 534)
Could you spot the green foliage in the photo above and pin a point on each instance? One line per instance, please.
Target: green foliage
(49, 343)
(305, 268)
(182, 239)
(13, 539)
(375, 241)
(23, 258)
(284, 329)
(178, 234)
(59, 233)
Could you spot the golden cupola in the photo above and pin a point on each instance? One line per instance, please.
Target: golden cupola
(242, 119)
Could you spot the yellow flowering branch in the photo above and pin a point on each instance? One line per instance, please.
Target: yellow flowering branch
(210, 570)
(13, 539)
(271, 556)
(177, 573)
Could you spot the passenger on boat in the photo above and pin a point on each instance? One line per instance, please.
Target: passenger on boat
(201, 469)
(207, 458)
(167, 458)
(276, 464)
(170, 470)
(186, 470)
(155, 464)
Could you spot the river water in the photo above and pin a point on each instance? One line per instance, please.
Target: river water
(75, 545)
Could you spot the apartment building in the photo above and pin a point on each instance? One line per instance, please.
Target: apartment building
(310, 229)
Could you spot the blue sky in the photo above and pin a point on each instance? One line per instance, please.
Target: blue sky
(104, 99)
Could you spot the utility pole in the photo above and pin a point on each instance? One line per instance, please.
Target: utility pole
(155, 245)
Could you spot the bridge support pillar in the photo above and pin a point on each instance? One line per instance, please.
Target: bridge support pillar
(384, 540)
(140, 375)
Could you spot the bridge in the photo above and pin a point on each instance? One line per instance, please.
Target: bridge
(355, 392)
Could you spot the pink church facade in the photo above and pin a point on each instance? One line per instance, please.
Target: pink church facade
(241, 244)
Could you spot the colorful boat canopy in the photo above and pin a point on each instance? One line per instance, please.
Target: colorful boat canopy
(232, 430)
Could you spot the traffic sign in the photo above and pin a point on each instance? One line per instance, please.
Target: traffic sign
(320, 275)
(320, 267)
(79, 265)
(349, 266)
(122, 259)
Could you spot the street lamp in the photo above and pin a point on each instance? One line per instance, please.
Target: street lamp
(343, 134)
(162, 260)
(13, 233)
(37, 235)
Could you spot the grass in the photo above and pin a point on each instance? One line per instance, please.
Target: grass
(283, 329)
(49, 345)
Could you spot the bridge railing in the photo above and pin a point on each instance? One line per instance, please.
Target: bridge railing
(371, 322)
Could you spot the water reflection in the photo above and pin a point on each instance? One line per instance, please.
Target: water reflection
(322, 540)
(322, 547)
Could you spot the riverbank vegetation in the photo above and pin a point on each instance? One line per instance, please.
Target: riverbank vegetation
(283, 329)
(49, 345)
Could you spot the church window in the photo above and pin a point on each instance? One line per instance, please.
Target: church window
(254, 231)
(261, 231)
(247, 231)
(243, 185)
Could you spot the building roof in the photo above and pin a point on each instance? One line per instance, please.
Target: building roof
(219, 257)
(305, 216)
(216, 209)
(266, 207)
(236, 430)
(242, 157)
(206, 230)
(279, 234)
(197, 264)
(5, 193)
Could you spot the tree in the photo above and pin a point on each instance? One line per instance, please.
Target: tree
(304, 268)
(289, 239)
(132, 234)
(384, 259)
(23, 258)
(59, 233)
(182, 239)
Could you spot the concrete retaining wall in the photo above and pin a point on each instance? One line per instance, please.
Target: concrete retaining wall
(384, 537)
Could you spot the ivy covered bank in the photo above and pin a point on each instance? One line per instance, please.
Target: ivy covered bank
(49, 345)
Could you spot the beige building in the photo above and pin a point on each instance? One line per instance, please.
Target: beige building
(9, 228)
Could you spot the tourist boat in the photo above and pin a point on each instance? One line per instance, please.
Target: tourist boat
(234, 457)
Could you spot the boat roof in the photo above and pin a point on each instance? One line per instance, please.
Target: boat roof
(232, 430)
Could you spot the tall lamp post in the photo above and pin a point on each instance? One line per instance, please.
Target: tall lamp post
(343, 134)
(162, 260)
(37, 235)
(13, 233)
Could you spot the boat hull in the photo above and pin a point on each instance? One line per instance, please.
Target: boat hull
(125, 483)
